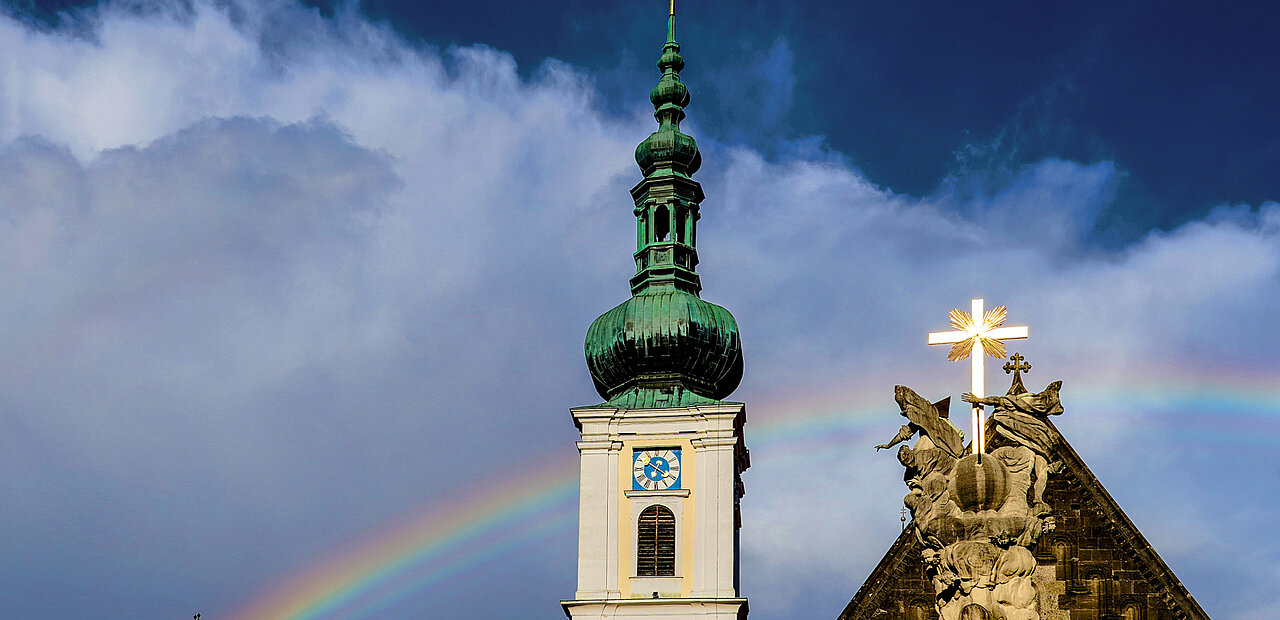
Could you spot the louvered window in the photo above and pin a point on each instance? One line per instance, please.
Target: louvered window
(656, 543)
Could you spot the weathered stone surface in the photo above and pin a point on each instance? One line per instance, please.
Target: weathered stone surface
(1094, 565)
(972, 513)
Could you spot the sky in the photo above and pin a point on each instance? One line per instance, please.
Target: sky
(295, 295)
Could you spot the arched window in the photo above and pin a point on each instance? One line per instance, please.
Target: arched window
(661, 224)
(1062, 554)
(656, 542)
(921, 611)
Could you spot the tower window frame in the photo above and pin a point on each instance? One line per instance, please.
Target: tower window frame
(661, 224)
(656, 542)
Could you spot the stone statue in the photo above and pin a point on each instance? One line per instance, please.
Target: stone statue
(1022, 417)
(928, 419)
(972, 512)
(929, 462)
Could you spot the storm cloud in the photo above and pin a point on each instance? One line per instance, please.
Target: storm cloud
(272, 279)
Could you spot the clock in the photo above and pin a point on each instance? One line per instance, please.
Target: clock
(655, 469)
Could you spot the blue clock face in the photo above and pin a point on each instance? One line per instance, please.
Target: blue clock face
(656, 469)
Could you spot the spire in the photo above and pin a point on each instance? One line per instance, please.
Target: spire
(671, 24)
(665, 341)
(668, 149)
(667, 199)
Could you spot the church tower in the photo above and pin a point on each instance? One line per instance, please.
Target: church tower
(662, 457)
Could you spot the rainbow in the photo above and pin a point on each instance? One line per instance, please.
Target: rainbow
(437, 543)
(426, 549)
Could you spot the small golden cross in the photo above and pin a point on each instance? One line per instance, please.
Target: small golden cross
(1017, 364)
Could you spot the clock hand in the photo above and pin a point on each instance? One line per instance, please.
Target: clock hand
(649, 463)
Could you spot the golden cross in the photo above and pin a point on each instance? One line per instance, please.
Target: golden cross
(673, 7)
(1018, 364)
(984, 331)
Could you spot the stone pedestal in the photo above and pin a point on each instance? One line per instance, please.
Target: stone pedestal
(976, 522)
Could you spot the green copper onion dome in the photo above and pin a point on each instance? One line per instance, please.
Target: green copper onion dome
(665, 345)
(663, 339)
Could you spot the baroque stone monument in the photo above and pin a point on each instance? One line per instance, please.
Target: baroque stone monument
(977, 515)
(1013, 526)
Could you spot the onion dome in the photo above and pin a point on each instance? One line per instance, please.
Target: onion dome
(662, 339)
(665, 346)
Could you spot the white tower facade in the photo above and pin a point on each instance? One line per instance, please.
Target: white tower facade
(703, 503)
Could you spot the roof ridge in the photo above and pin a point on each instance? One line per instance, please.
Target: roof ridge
(1127, 531)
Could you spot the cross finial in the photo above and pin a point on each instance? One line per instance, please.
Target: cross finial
(983, 331)
(673, 7)
(904, 518)
(1017, 367)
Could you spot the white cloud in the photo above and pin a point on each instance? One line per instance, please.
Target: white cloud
(298, 267)
(817, 251)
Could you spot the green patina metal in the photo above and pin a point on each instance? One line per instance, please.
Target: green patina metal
(665, 346)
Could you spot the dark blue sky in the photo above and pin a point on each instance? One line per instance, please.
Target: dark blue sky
(1180, 95)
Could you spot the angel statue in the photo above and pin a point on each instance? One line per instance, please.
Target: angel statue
(928, 419)
(1023, 417)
